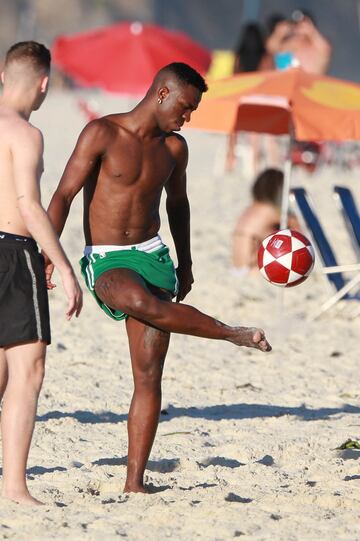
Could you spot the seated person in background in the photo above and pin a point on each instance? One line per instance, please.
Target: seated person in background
(302, 39)
(300, 43)
(259, 220)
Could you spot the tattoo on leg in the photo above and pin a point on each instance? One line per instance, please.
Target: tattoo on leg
(103, 288)
(155, 338)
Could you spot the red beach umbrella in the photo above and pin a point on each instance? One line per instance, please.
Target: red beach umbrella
(124, 57)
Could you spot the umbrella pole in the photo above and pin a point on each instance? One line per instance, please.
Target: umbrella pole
(286, 187)
(284, 222)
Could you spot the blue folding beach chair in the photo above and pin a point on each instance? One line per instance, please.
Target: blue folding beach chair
(350, 213)
(334, 271)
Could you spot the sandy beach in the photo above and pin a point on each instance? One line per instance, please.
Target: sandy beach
(246, 445)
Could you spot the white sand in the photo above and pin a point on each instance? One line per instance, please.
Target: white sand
(246, 447)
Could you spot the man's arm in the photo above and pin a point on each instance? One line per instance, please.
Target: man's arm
(178, 210)
(89, 148)
(322, 47)
(27, 152)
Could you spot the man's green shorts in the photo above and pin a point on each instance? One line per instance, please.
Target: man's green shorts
(157, 268)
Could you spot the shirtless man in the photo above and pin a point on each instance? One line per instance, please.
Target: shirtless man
(24, 311)
(123, 162)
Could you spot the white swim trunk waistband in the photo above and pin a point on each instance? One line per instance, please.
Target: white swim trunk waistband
(149, 246)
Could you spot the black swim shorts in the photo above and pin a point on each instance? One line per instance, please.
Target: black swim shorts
(24, 306)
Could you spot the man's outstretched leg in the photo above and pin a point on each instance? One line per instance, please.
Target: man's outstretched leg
(148, 348)
(25, 375)
(125, 290)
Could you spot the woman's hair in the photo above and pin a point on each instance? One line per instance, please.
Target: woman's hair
(250, 49)
(268, 186)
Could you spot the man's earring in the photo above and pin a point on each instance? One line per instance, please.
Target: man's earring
(160, 101)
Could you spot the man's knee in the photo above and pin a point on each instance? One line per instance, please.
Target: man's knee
(129, 297)
(140, 304)
(32, 375)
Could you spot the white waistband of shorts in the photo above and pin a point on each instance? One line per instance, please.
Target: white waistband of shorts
(148, 246)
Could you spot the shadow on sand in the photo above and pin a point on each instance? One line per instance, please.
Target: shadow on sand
(211, 413)
(158, 466)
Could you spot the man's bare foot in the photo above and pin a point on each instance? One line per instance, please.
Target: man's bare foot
(23, 497)
(135, 487)
(249, 337)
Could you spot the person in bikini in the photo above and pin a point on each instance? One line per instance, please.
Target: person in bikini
(124, 162)
(258, 220)
(24, 310)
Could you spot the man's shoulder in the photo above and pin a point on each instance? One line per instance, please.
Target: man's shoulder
(176, 141)
(12, 122)
(177, 144)
(22, 132)
(175, 138)
(105, 125)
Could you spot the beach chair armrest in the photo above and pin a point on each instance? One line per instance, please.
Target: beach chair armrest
(341, 268)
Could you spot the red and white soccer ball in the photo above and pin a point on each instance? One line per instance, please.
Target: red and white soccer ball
(286, 258)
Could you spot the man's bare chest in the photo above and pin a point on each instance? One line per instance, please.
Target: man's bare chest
(133, 163)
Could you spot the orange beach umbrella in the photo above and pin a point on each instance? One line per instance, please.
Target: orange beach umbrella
(307, 107)
(310, 107)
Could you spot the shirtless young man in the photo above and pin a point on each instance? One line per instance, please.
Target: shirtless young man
(24, 311)
(123, 162)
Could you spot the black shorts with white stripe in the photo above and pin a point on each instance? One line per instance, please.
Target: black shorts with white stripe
(24, 305)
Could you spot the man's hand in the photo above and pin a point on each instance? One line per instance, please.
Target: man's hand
(49, 269)
(186, 279)
(70, 285)
(73, 293)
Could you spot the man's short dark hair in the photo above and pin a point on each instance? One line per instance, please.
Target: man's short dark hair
(36, 54)
(187, 75)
